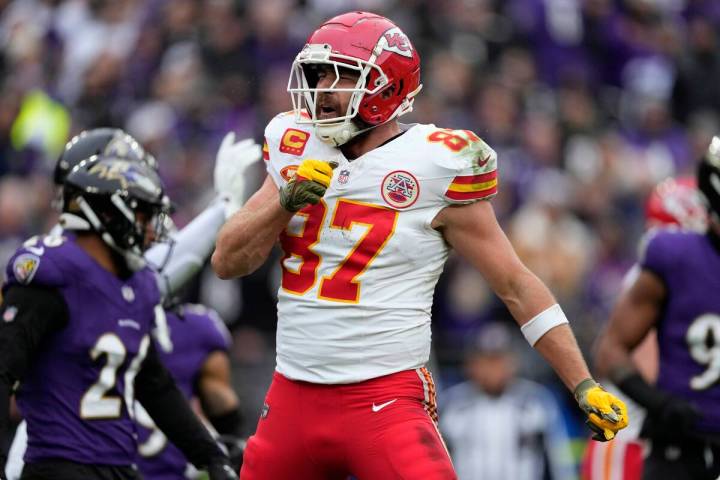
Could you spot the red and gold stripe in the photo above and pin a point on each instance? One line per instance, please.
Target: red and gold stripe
(266, 151)
(430, 400)
(473, 187)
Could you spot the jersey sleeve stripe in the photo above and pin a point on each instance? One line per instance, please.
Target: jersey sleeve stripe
(266, 151)
(470, 179)
(473, 195)
(472, 187)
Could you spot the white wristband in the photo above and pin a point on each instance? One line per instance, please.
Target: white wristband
(542, 323)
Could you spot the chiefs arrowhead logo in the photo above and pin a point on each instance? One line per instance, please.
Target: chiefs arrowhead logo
(394, 40)
(288, 172)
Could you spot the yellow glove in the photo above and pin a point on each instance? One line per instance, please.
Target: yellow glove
(606, 413)
(308, 185)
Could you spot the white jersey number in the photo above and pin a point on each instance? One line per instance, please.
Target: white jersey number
(343, 284)
(95, 404)
(703, 337)
(157, 440)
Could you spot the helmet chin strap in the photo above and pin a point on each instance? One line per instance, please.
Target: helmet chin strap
(69, 221)
(337, 134)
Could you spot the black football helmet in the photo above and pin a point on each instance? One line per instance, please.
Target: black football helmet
(118, 199)
(708, 178)
(100, 141)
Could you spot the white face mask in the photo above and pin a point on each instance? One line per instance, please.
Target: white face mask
(338, 130)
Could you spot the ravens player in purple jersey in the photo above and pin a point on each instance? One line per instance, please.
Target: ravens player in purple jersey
(196, 355)
(199, 364)
(78, 310)
(676, 293)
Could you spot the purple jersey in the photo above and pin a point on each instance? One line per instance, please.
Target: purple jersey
(76, 392)
(195, 333)
(689, 328)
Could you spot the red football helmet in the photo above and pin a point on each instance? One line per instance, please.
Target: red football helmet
(676, 202)
(382, 55)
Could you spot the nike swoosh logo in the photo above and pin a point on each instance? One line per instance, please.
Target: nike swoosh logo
(377, 408)
(36, 250)
(481, 163)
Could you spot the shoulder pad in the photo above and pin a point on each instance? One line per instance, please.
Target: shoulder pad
(469, 163)
(287, 144)
(36, 263)
(209, 324)
(659, 249)
(284, 135)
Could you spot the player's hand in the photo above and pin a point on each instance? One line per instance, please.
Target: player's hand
(231, 164)
(220, 469)
(308, 185)
(606, 413)
(235, 448)
(674, 420)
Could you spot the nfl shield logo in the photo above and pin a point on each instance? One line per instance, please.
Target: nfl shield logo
(128, 293)
(344, 176)
(9, 314)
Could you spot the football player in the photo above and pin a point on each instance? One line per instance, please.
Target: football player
(673, 293)
(179, 260)
(196, 354)
(78, 311)
(366, 210)
(200, 365)
(674, 203)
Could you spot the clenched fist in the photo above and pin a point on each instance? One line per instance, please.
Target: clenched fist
(606, 413)
(307, 186)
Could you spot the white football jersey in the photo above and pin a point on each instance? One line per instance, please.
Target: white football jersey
(359, 268)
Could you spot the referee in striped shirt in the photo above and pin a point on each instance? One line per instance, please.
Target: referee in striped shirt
(501, 427)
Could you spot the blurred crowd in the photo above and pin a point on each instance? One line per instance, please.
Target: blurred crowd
(589, 103)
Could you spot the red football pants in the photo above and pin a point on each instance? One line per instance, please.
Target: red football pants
(618, 459)
(380, 429)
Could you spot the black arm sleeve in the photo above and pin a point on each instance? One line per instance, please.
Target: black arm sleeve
(156, 391)
(227, 423)
(28, 314)
(635, 387)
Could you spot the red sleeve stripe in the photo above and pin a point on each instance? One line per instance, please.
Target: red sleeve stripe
(475, 195)
(482, 178)
(266, 151)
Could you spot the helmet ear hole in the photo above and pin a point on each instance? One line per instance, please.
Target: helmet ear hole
(388, 92)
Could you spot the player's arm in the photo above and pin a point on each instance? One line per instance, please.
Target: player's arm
(219, 402)
(245, 241)
(193, 244)
(29, 314)
(156, 391)
(472, 230)
(190, 249)
(633, 317)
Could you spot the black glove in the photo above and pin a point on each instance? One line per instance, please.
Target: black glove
(235, 449)
(220, 469)
(674, 420)
(669, 418)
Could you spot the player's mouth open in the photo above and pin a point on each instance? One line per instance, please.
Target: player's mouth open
(326, 111)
